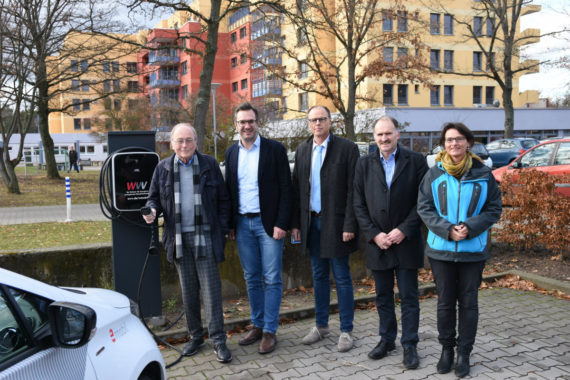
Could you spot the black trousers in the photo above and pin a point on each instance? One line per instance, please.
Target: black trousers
(457, 284)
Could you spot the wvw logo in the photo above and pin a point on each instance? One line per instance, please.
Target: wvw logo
(136, 185)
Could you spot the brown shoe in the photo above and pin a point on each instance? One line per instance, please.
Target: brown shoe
(268, 343)
(252, 336)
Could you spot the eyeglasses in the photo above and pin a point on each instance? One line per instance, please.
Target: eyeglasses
(318, 120)
(189, 140)
(457, 139)
(243, 123)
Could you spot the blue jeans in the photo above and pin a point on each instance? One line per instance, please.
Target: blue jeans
(321, 282)
(410, 305)
(261, 259)
(457, 286)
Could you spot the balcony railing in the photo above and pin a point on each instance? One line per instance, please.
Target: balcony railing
(163, 57)
(267, 87)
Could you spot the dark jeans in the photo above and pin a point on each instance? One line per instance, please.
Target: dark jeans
(72, 166)
(408, 290)
(457, 284)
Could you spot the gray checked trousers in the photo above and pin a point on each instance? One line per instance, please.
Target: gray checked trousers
(201, 274)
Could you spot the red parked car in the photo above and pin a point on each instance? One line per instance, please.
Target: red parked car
(552, 157)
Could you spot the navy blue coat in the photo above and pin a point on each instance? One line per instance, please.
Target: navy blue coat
(274, 181)
(215, 202)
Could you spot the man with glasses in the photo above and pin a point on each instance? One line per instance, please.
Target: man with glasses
(323, 220)
(258, 179)
(188, 189)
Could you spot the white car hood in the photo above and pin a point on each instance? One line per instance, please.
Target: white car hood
(99, 297)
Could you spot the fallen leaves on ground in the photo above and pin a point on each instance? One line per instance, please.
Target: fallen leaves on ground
(512, 281)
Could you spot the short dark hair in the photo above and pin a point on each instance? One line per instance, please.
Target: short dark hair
(459, 127)
(386, 117)
(318, 106)
(246, 107)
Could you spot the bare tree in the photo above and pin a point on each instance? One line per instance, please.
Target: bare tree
(345, 46)
(17, 100)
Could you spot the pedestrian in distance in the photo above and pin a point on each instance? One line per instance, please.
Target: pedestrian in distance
(188, 189)
(386, 187)
(258, 179)
(323, 220)
(73, 159)
(459, 201)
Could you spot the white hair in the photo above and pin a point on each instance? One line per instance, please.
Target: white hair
(180, 125)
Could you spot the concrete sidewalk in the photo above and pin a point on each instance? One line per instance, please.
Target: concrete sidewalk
(522, 335)
(40, 214)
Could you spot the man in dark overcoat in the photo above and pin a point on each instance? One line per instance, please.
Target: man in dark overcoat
(323, 220)
(385, 197)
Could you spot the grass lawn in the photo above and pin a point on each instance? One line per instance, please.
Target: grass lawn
(19, 237)
(37, 190)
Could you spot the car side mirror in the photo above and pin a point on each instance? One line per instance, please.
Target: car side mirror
(517, 165)
(72, 325)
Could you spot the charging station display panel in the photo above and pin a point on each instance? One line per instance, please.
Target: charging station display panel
(132, 174)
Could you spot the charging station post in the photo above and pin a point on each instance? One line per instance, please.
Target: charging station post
(131, 240)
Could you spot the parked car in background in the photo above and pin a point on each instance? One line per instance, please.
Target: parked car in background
(504, 151)
(53, 333)
(477, 148)
(552, 157)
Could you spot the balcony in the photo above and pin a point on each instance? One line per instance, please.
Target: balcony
(529, 9)
(164, 102)
(532, 64)
(164, 83)
(267, 87)
(529, 36)
(164, 57)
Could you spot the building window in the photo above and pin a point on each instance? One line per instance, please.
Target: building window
(478, 26)
(403, 94)
(74, 85)
(74, 66)
(107, 104)
(303, 101)
(387, 24)
(402, 52)
(489, 95)
(490, 26)
(388, 94)
(77, 124)
(448, 60)
(434, 60)
(448, 95)
(108, 123)
(242, 33)
(86, 105)
(76, 105)
(117, 104)
(115, 65)
(184, 68)
(116, 85)
(85, 85)
(477, 93)
(303, 70)
(233, 37)
(131, 104)
(434, 95)
(184, 91)
(388, 54)
(106, 66)
(84, 65)
(244, 84)
(107, 85)
(402, 21)
(416, 88)
(133, 86)
(434, 25)
(234, 61)
(448, 25)
(234, 86)
(301, 37)
(477, 56)
(242, 58)
(132, 67)
(87, 126)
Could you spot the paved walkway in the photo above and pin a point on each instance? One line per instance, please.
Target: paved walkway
(40, 214)
(522, 335)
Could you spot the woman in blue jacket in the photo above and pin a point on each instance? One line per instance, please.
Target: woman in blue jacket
(458, 201)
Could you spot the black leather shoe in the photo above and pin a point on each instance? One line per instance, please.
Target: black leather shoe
(462, 365)
(252, 336)
(223, 354)
(192, 347)
(446, 360)
(381, 350)
(411, 360)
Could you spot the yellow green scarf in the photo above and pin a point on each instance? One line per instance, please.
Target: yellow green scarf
(459, 169)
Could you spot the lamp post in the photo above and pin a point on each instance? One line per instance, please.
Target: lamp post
(214, 87)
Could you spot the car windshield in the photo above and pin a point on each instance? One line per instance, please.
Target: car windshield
(527, 144)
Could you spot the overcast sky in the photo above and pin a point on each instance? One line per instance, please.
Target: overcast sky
(554, 16)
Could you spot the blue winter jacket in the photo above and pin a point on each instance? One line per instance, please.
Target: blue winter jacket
(444, 201)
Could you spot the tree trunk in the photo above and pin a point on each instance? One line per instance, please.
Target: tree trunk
(508, 106)
(211, 48)
(43, 115)
(8, 174)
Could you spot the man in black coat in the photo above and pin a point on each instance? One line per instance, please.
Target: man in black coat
(323, 220)
(259, 182)
(385, 196)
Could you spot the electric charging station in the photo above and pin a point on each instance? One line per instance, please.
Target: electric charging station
(133, 159)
